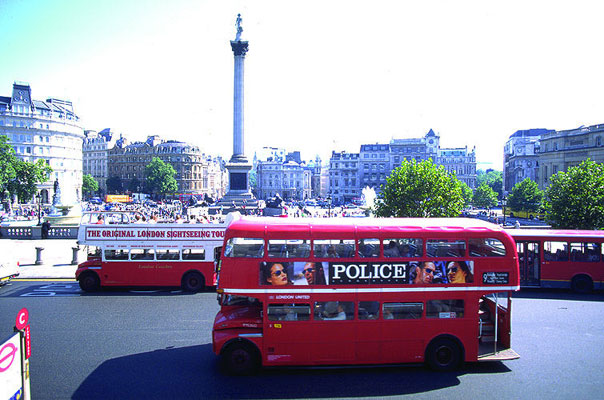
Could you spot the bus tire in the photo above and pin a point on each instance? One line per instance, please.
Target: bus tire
(582, 284)
(89, 282)
(240, 358)
(444, 354)
(193, 282)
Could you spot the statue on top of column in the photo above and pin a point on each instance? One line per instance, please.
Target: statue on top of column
(239, 28)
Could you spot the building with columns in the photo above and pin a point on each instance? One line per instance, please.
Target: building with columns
(344, 174)
(196, 173)
(95, 155)
(279, 172)
(521, 157)
(560, 150)
(45, 130)
(350, 173)
(461, 162)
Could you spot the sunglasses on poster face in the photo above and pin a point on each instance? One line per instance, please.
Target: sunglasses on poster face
(278, 272)
(452, 270)
(308, 270)
(429, 271)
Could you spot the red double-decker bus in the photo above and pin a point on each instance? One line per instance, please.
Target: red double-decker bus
(124, 252)
(364, 291)
(560, 259)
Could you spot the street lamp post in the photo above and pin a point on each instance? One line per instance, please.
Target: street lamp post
(39, 198)
(329, 205)
(503, 202)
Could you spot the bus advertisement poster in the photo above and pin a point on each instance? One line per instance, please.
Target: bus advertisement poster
(280, 273)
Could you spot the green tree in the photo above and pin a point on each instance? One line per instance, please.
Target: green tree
(27, 176)
(420, 189)
(467, 194)
(485, 196)
(114, 185)
(8, 160)
(492, 178)
(575, 199)
(89, 184)
(526, 196)
(160, 177)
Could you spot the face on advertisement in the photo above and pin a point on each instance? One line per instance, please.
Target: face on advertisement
(309, 271)
(425, 273)
(455, 273)
(278, 275)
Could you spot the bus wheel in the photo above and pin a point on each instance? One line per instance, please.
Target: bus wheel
(443, 354)
(582, 284)
(193, 282)
(240, 359)
(89, 282)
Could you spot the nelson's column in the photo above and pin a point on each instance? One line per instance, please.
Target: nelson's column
(239, 192)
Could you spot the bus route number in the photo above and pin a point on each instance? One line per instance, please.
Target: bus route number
(495, 278)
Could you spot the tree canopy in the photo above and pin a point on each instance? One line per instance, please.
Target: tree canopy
(160, 177)
(526, 196)
(89, 184)
(467, 194)
(27, 176)
(575, 199)
(420, 189)
(7, 163)
(20, 177)
(492, 178)
(484, 196)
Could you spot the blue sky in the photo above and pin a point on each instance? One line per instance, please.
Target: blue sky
(319, 75)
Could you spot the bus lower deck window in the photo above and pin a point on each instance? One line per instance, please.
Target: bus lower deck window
(444, 309)
(288, 312)
(334, 310)
(402, 310)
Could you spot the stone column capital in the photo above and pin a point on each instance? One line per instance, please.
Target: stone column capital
(239, 47)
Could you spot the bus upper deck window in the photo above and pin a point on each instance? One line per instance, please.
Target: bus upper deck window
(244, 247)
(334, 248)
(369, 247)
(486, 247)
(404, 248)
(193, 254)
(291, 248)
(116, 255)
(445, 248)
(162, 254)
(141, 254)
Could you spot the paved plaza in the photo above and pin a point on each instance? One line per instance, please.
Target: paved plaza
(56, 257)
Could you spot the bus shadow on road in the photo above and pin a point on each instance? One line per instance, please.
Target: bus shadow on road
(71, 289)
(194, 373)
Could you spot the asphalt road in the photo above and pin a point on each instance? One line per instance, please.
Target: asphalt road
(132, 345)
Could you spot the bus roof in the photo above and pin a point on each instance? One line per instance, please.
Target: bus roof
(251, 225)
(555, 233)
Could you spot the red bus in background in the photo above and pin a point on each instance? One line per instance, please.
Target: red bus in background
(124, 252)
(562, 259)
(364, 291)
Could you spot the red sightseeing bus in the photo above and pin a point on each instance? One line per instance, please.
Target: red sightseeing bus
(124, 252)
(364, 291)
(564, 259)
